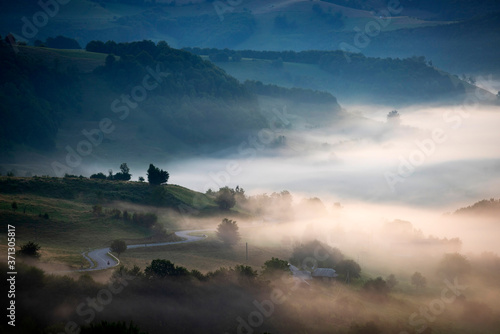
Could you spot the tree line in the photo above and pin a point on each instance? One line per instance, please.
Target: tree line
(155, 175)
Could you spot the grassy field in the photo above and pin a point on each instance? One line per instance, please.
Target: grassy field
(70, 226)
(85, 61)
(206, 255)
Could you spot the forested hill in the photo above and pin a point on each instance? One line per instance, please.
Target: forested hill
(350, 74)
(34, 99)
(187, 96)
(164, 96)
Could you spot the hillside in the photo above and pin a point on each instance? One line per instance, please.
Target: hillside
(350, 77)
(447, 32)
(484, 207)
(69, 215)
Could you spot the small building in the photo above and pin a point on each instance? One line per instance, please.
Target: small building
(301, 276)
(324, 273)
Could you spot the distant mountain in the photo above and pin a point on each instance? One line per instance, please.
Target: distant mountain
(484, 207)
(347, 76)
(428, 9)
(124, 101)
(457, 35)
(189, 98)
(469, 46)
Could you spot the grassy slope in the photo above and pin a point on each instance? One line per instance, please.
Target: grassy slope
(208, 255)
(72, 227)
(84, 20)
(291, 75)
(85, 61)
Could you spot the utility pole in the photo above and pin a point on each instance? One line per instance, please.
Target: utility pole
(246, 245)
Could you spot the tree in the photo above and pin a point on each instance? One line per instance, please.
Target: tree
(164, 268)
(157, 176)
(236, 57)
(99, 176)
(226, 198)
(118, 246)
(141, 179)
(124, 175)
(454, 265)
(274, 266)
(245, 271)
(418, 280)
(110, 60)
(391, 281)
(315, 254)
(227, 231)
(349, 267)
(14, 205)
(30, 249)
(393, 117)
(376, 286)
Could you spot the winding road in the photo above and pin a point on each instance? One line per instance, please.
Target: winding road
(103, 259)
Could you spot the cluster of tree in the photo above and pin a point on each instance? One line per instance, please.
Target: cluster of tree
(179, 296)
(118, 246)
(156, 176)
(35, 99)
(58, 42)
(189, 74)
(315, 254)
(146, 219)
(277, 205)
(354, 73)
(123, 175)
(406, 77)
(226, 197)
(293, 94)
(403, 233)
(483, 207)
(305, 57)
(200, 95)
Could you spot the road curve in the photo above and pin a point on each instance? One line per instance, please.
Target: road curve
(103, 259)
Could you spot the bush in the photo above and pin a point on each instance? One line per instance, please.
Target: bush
(227, 232)
(316, 254)
(350, 267)
(99, 176)
(376, 286)
(30, 249)
(274, 266)
(145, 219)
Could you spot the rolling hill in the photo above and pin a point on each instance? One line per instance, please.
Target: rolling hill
(435, 30)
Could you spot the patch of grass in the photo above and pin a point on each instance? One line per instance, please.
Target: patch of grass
(93, 191)
(205, 255)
